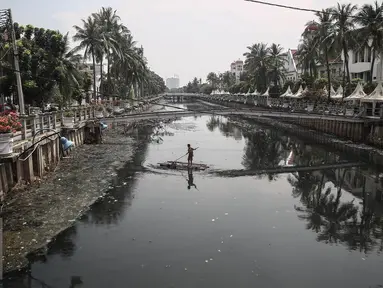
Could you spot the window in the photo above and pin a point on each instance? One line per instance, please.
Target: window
(369, 54)
(361, 56)
(355, 57)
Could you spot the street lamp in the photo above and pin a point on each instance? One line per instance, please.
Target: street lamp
(6, 20)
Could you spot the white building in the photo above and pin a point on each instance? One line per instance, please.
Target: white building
(237, 69)
(292, 72)
(360, 65)
(173, 82)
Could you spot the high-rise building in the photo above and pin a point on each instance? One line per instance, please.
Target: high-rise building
(173, 82)
(237, 69)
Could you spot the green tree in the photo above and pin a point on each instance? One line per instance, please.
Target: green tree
(90, 41)
(342, 17)
(370, 18)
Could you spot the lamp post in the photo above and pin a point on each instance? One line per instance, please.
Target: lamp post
(6, 20)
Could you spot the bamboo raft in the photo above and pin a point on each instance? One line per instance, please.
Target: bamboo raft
(182, 166)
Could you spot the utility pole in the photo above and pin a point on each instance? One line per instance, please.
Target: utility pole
(11, 29)
(17, 67)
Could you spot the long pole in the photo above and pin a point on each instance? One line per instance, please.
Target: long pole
(17, 67)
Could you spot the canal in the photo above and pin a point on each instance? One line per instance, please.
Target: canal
(159, 228)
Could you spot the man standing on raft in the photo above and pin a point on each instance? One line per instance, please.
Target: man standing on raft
(190, 155)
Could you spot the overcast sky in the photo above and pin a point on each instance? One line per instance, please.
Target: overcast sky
(184, 37)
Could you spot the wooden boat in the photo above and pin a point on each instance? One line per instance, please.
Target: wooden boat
(182, 165)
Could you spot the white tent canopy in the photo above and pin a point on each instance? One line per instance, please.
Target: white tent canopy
(358, 94)
(299, 93)
(338, 93)
(332, 92)
(376, 95)
(288, 93)
(266, 94)
(255, 93)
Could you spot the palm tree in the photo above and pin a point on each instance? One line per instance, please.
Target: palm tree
(343, 25)
(370, 17)
(325, 37)
(67, 63)
(90, 42)
(109, 27)
(256, 64)
(212, 79)
(277, 64)
(227, 79)
(307, 56)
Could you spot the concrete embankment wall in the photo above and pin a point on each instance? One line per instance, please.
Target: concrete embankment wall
(27, 165)
(359, 130)
(360, 151)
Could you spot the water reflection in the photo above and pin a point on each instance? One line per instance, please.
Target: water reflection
(355, 221)
(227, 128)
(191, 179)
(357, 225)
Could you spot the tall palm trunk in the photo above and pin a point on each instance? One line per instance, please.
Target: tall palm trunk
(328, 75)
(101, 79)
(108, 74)
(94, 76)
(372, 66)
(345, 53)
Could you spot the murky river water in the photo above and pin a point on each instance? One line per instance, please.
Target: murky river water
(157, 229)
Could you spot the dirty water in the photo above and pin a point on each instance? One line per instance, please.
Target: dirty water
(160, 228)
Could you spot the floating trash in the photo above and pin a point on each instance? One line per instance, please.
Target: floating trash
(206, 261)
(226, 214)
(219, 251)
(231, 236)
(213, 220)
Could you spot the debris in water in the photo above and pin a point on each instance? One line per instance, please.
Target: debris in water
(186, 269)
(231, 236)
(363, 259)
(274, 227)
(219, 251)
(207, 261)
(212, 220)
(211, 259)
(226, 214)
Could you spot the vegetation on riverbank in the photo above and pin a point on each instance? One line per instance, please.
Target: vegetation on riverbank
(52, 71)
(324, 43)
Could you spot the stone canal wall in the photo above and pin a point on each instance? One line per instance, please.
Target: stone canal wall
(360, 130)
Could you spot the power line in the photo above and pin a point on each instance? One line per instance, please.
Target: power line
(298, 8)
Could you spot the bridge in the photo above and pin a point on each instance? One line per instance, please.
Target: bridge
(225, 111)
(180, 96)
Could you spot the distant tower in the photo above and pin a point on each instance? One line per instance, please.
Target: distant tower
(173, 82)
